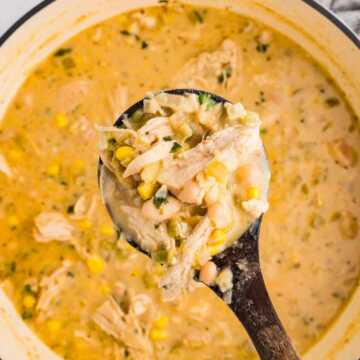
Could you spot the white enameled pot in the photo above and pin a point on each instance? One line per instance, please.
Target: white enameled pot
(51, 23)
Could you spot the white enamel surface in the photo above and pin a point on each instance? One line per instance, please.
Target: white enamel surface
(64, 18)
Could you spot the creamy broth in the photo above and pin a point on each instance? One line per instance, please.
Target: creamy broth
(309, 242)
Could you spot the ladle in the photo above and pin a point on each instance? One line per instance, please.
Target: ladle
(250, 300)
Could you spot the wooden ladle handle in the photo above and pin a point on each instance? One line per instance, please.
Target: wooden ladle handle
(249, 299)
(258, 316)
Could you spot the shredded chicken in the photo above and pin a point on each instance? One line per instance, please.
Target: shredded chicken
(85, 128)
(50, 289)
(255, 207)
(4, 167)
(85, 207)
(159, 151)
(116, 317)
(52, 226)
(118, 100)
(211, 71)
(156, 128)
(179, 276)
(143, 231)
(73, 93)
(176, 172)
(185, 104)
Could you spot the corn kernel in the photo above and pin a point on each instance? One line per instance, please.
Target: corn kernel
(158, 334)
(78, 167)
(218, 237)
(85, 224)
(105, 289)
(215, 249)
(53, 326)
(107, 230)
(29, 301)
(253, 193)
(61, 121)
(161, 322)
(53, 170)
(13, 221)
(124, 153)
(136, 272)
(217, 170)
(16, 154)
(150, 172)
(95, 264)
(146, 190)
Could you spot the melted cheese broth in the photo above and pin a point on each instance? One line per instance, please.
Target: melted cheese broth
(309, 242)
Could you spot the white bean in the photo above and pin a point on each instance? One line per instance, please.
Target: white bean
(220, 215)
(208, 273)
(191, 193)
(212, 195)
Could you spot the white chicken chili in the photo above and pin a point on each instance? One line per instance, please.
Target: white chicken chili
(191, 175)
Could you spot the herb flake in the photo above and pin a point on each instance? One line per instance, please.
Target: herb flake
(161, 197)
(175, 147)
(262, 48)
(207, 100)
(332, 102)
(62, 52)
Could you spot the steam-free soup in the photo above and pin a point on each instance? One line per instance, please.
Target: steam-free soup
(61, 260)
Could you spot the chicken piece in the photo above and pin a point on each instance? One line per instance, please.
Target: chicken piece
(242, 139)
(84, 128)
(343, 153)
(118, 100)
(255, 207)
(178, 278)
(188, 103)
(142, 230)
(116, 318)
(71, 94)
(156, 128)
(210, 71)
(52, 226)
(4, 167)
(84, 207)
(50, 289)
(159, 151)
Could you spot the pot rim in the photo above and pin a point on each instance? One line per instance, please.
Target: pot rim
(321, 9)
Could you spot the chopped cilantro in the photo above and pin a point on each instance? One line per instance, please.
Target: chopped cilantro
(161, 197)
(207, 100)
(225, 75)
(144, 44)
(28, 289)
(62, 52)
(161, 256)
(332, 102)
(262, 48)
(197, 16)
(70, 209)
(125, 33)
(163, 1)
(167, 138)
(68, 63)
(175, 147)
(27, 315)
(12, 267)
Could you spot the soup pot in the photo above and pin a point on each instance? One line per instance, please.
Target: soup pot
(52, 22)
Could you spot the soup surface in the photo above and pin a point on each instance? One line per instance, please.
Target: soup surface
(60, 257)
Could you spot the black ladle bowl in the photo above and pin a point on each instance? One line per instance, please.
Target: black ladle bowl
(249, 299)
